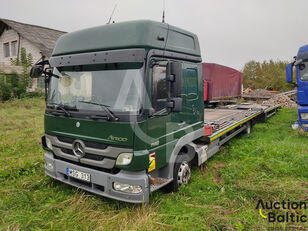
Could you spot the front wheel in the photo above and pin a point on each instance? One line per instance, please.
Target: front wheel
(181, 173)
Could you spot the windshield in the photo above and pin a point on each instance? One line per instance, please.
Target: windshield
(303, 71)
(91, 89)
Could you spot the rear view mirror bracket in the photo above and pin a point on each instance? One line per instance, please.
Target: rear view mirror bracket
(175, 104)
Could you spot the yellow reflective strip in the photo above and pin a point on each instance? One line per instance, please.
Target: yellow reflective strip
(225, 131)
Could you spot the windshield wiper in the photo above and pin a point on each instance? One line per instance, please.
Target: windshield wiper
(105, 107)
(63, 108)
(65, 111)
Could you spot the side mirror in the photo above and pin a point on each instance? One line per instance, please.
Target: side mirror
(289, 73)
(298, 62)
(174, 75)
(36, 71)
(175, 104)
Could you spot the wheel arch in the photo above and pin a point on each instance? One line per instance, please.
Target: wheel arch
(182, 146)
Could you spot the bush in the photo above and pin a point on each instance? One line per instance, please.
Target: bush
(5, 92)
(14, 85)
(34, 94)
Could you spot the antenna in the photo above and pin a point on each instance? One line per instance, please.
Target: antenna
(112, 14)
(164, 13)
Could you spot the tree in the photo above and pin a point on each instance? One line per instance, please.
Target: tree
(267, 75)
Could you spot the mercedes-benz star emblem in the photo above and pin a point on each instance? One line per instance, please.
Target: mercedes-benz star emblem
(79, 148)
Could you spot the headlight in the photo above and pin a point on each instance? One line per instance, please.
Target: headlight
(134, 189)
(124, 159)
(304, 116)
(48, 143)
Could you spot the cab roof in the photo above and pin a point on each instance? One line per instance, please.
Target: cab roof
(303, 52)
(133, 34)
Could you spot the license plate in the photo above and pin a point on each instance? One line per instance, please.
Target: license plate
(78, 174)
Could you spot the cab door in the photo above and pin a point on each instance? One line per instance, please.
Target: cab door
(162, 126)
(190, 94)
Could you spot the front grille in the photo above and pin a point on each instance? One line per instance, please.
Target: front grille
(93, 157)
(111, 171)
(87, 143)
(65, 139)
(98, 155)
(95, 145)
(67, 151)
(87, 155)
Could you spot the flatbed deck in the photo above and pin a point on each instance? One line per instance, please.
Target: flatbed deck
(220, 118)
(226, 122)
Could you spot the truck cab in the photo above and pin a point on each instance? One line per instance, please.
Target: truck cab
(301, 66)
(123, 101)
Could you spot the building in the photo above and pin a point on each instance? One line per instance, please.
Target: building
(36, 40)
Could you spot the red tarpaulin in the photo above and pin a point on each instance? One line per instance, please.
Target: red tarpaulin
(223, 82)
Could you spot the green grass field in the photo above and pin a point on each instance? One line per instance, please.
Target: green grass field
(271, 164)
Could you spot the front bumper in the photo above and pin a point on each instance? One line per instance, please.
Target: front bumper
(101, 182)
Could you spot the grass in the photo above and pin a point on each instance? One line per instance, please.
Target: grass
(271, 163)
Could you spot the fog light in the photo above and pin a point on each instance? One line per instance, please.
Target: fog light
(124, 159)
(304, 116)
(134, 189)
(49, 165)
(48, 143)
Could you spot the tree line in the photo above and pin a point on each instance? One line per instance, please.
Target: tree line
(268, 75)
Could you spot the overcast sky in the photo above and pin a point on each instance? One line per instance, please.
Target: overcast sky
(231, 32)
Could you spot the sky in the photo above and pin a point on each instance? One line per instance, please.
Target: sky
(231, 32)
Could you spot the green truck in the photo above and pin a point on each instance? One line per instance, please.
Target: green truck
(125, 111)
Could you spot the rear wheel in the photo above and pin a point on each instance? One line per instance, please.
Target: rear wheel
(181, 173)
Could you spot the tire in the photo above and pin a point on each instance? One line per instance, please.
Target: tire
(181, 173)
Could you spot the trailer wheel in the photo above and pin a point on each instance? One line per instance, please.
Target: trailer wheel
(181, 173)
(248, 128)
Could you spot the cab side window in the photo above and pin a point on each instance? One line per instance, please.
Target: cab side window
(192, 83)
(159, 88)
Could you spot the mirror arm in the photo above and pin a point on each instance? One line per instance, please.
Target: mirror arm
(171, 78)
(50, 74)
(170, 104)
(43, 63)
(46, 88)
(297, 62)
